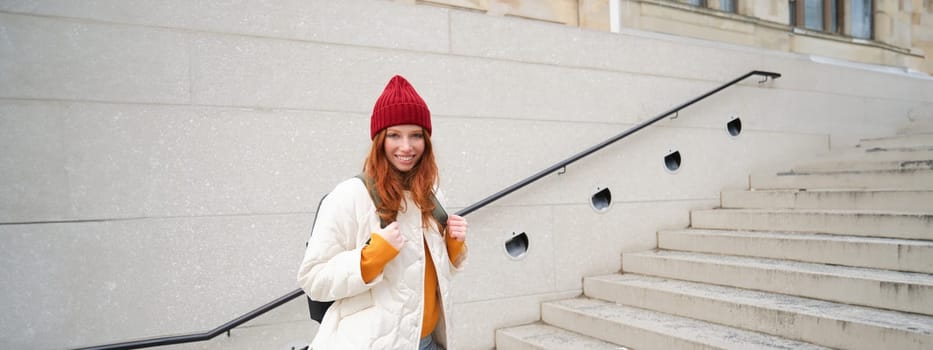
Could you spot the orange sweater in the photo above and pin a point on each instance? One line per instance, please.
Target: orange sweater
(379, 252)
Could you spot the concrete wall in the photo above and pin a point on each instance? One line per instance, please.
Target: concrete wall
(162, 161)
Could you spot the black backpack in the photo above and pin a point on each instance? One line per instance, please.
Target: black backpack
(317, 309)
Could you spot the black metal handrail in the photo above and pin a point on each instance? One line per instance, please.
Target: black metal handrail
(601, 145)
(195, 337)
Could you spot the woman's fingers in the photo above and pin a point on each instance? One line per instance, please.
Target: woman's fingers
(393, 235)
(457, 227)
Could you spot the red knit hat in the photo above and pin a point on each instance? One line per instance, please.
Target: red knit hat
(399, 104)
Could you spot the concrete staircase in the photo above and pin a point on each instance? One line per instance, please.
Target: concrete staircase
(833, 254)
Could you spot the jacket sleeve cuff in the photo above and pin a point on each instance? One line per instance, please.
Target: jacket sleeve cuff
(456, 251)
(375, 257)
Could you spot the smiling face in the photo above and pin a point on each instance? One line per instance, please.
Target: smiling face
(404, 146)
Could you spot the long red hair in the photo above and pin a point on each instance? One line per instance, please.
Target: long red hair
(390, 183)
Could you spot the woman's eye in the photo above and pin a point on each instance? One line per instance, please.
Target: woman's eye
(392, 136)
(418, 136)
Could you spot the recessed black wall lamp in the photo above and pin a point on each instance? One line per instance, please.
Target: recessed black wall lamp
(516, 247)
(672, 161)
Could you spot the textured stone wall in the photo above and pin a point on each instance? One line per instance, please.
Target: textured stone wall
(161, 161)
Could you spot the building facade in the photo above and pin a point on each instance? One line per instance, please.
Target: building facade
(896, 33)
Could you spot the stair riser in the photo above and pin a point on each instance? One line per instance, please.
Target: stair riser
(926, 164)
(876, 155)
(886, 295)
(860, 254)
(507, 342)
(916, 140)
(913, 180)
(540, 336)
(812, 329)
(633, 337)
(907, 201)
(916, 127)
(874, 225)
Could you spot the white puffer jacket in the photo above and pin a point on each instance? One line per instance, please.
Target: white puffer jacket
(386, 313)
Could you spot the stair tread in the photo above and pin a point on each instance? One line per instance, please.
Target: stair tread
(833, 190)
(923, 135)
(863, 165)
(822, 211)
(918, 139)
(926, 158)
(852, 179)
(901, 200)
(689, 329)
(545, 336)
(861, 222)
(875, 153)
(913, 278)
(855, 172)
(806, 236)
(915, 148)
(903, 321)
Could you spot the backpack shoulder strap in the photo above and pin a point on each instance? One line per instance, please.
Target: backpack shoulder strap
(439, 213)
(371, 187)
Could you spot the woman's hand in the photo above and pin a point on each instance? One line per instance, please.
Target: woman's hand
(393, 235)
(457, 227)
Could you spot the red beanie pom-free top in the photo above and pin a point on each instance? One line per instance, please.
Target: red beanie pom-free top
(399, 104)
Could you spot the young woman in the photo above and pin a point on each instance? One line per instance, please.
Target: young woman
(391, 285)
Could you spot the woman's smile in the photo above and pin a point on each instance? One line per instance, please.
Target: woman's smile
(405, 144)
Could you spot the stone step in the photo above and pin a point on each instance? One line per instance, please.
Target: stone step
(644, 329)
(877, 154)
(888, 179)
(920, 201)
(893, 290)
(917, 126)
(870, 252)
(901, 150)
(814, 321)
(540, 336)
(889, 224)
(856, 165)
(899, 141)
